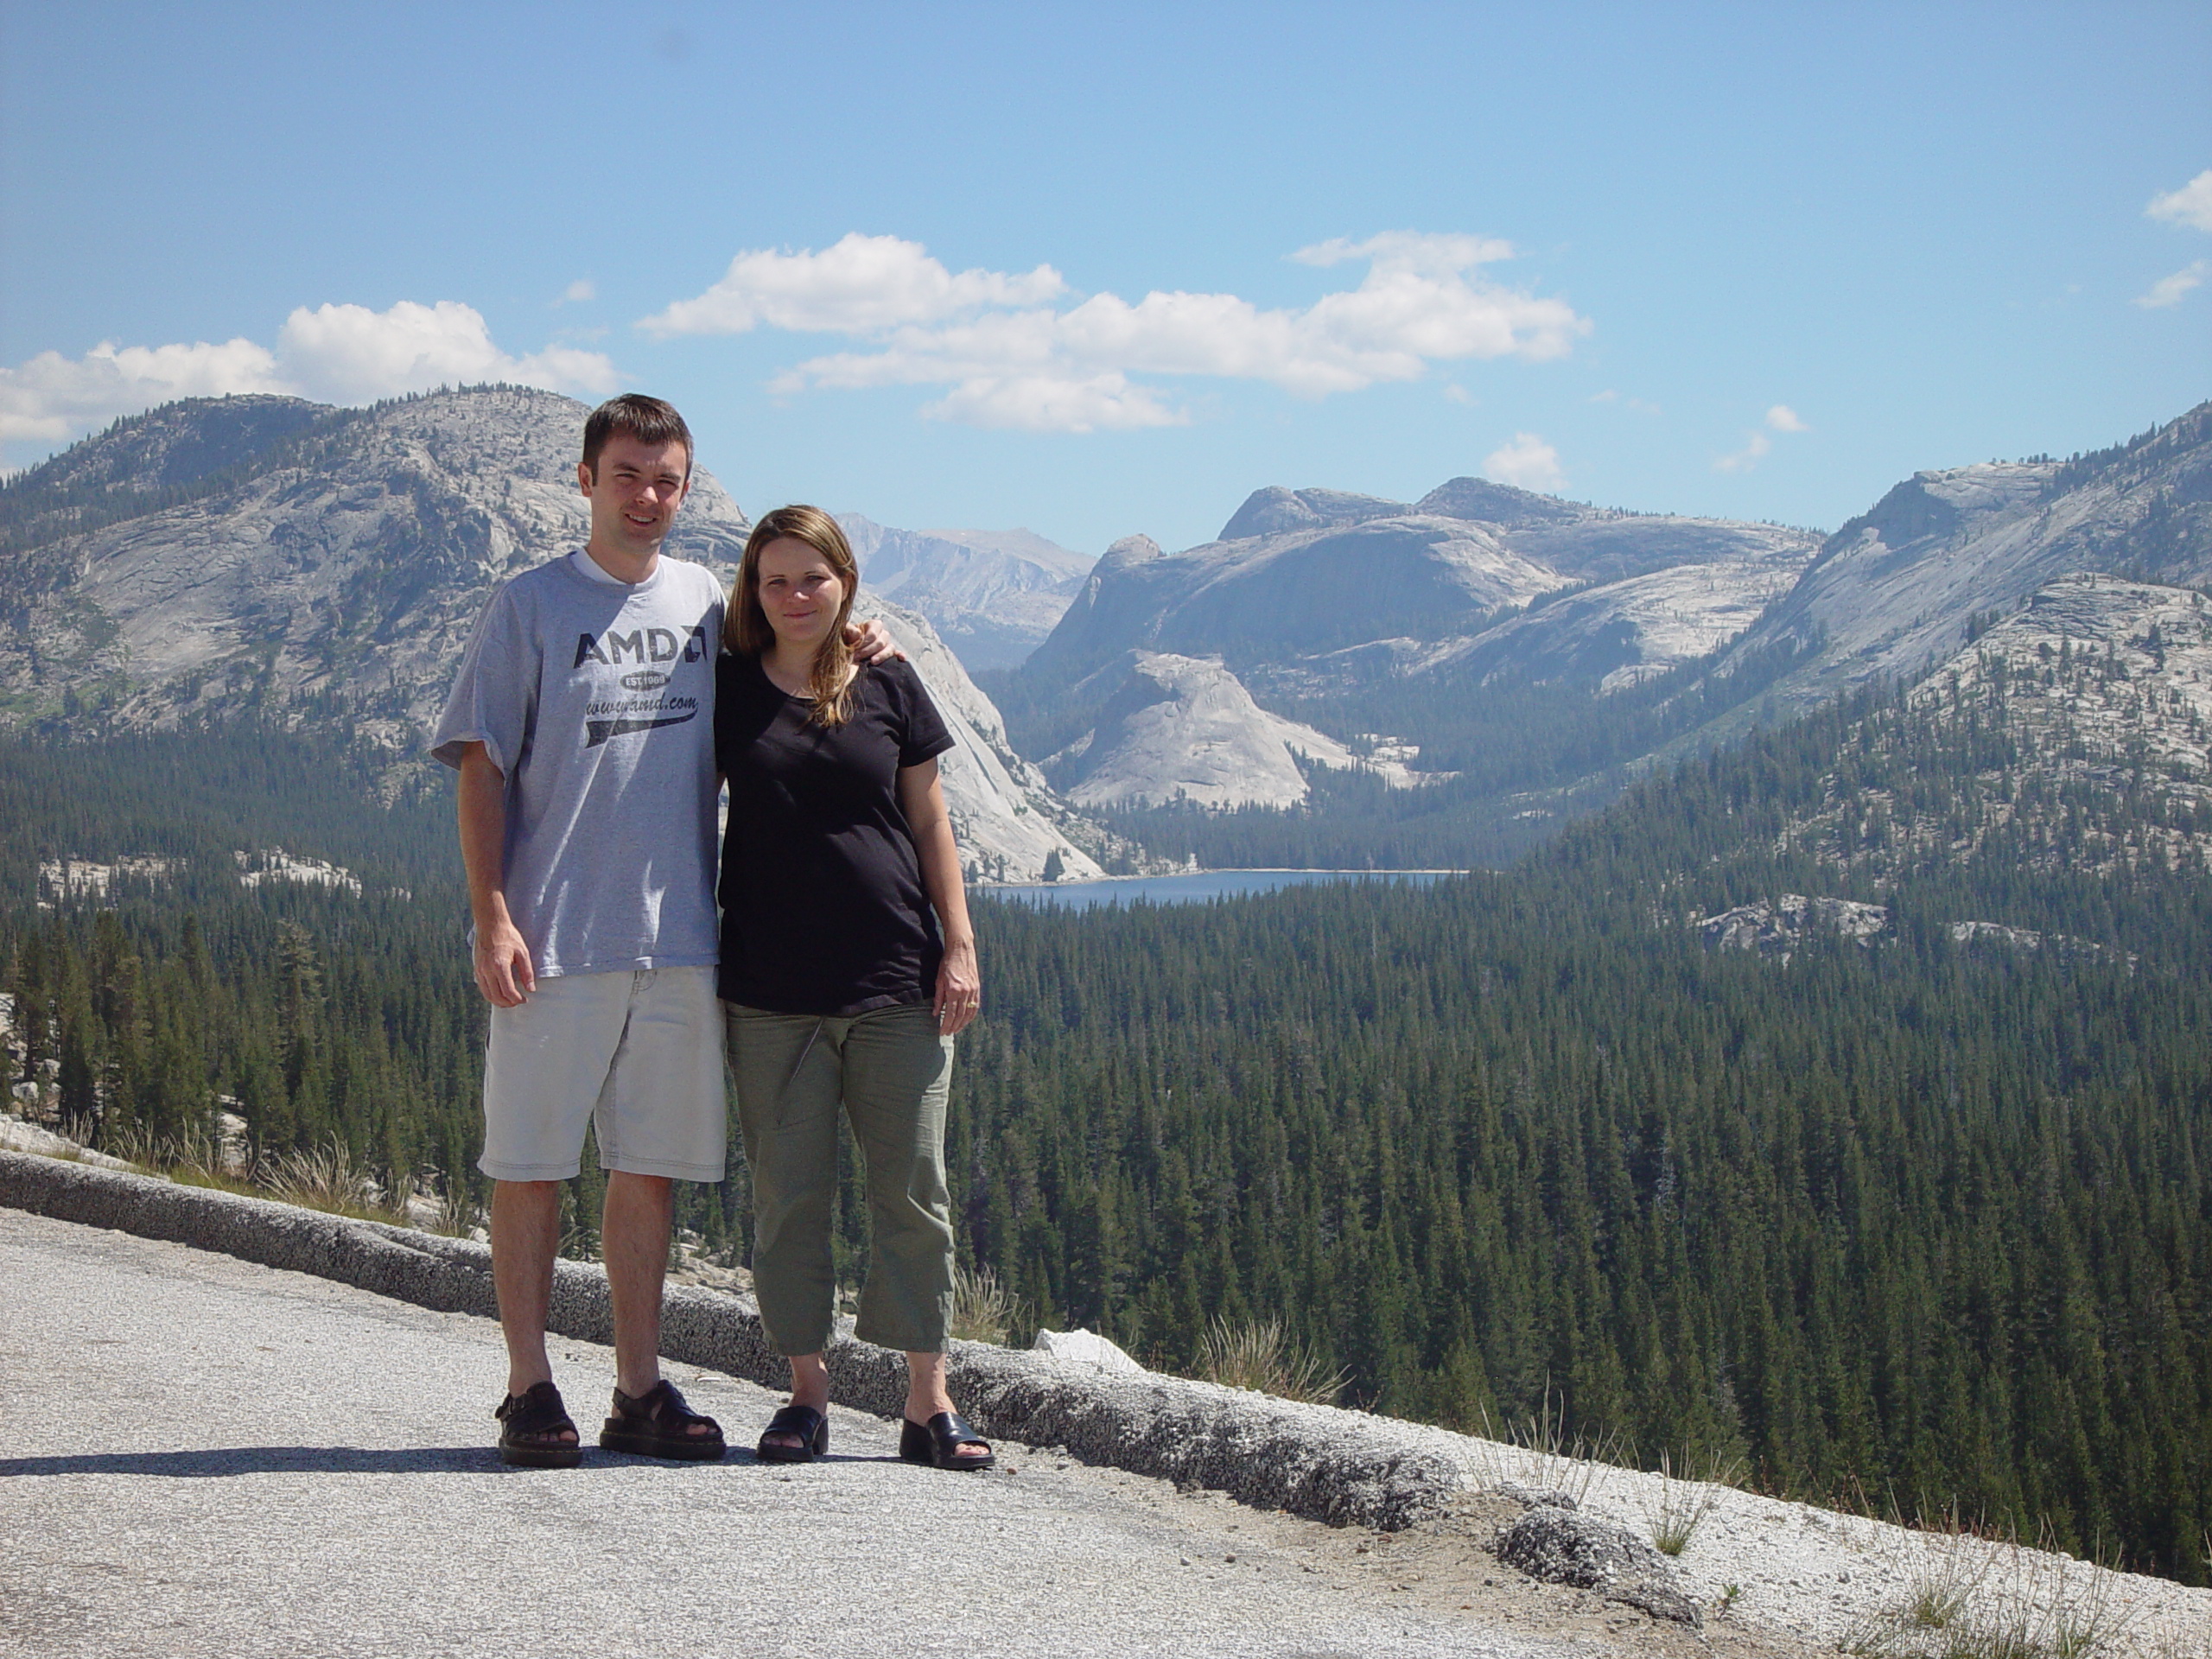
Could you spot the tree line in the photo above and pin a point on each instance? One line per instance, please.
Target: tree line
(1915, 1225)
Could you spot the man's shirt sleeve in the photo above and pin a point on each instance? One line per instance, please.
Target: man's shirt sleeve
(495, 692)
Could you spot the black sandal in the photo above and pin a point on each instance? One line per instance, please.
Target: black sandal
(531, 1426)
(809, 1426)
(657, 1424)
(938, 1442)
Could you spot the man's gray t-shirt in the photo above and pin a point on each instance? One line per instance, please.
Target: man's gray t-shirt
(595, 699)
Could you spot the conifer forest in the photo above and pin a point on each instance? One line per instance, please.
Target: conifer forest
(1916, 1224)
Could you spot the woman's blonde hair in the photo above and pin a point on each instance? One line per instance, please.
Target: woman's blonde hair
(744, 624)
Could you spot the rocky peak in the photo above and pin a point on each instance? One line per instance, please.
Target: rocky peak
(1933, 504)
(1186, 729)
(1132, 550)
(1496, 504)
(1900, 589)
(176, 445)
(1274, 510)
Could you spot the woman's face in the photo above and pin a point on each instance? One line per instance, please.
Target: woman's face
(800, 594)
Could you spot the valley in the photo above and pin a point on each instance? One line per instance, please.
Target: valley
(1811, 1081)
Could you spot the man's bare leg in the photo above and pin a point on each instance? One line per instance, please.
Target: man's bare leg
(525, 1234)
(633, 1239)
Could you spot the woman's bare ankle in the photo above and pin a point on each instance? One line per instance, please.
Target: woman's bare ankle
(810, 1382)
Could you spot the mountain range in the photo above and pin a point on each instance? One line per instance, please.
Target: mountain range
(1441, 682)
(1432, 634)
(301, 562)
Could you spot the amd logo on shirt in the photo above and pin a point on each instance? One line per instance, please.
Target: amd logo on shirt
(642, 646)
(613, 649)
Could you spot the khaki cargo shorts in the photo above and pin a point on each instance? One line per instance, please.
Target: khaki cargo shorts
(637, 1054)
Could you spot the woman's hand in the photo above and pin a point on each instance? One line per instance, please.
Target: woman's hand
(959, 988)
(959, 982)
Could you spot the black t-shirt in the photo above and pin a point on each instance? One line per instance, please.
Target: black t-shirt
(824, 910)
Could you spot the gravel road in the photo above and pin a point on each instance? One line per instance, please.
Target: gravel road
(199, 1455)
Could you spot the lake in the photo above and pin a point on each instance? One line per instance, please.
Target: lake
(1192, 886)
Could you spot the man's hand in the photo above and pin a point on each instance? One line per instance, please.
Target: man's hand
(871, 642)
(503, 969)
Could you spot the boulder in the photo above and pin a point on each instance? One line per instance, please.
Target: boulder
(1086, 1348)
(1561, 1545)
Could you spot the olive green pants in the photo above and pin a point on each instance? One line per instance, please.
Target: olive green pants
(888, 1071)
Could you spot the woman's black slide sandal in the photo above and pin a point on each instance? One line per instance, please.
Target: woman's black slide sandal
(657, 1424)
(809, 1427)
(938, 1442)
(530, 1424)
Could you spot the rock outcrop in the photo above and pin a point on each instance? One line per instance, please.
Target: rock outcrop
(1898, 590)
(1185, 728)
(1559, 1544)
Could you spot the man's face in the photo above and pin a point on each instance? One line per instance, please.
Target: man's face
(636, 492)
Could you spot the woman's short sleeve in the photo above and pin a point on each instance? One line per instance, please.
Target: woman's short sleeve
(922, 734)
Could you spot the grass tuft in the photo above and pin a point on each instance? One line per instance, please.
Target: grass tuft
(1983, 1598)
(983, 1310)
(1260, 1355)
(329, 1178)
(1684, 1503)
(457, 1215)
(1538, 1454)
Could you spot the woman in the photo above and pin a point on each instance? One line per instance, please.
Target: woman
(847, 965)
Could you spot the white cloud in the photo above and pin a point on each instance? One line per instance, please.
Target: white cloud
(1043, 403)
(51, 397)
(1459, 394)
(2191, 205)
(1410, 251)
(1754, 449)
(860, 285)
(339, 353)
(1779, 417)
(1528, 462)
(1009, 359)
(2171, 290)
(348, 353)
(1611, 395)
(578, 292)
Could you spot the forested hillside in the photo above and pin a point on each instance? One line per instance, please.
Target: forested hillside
(1918, 1223)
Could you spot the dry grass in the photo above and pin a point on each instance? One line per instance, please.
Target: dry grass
(1684, 1503)
(329, 1178)
(983, 1310)
(457, 1215)
(189, 1160)
(1982, 1598)
(1537, 1453)
(1259, 1354)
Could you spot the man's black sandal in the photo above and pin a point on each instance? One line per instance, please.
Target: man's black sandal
(657, 1424)
(938, 1442)
(808, 1426)
(531, 1426)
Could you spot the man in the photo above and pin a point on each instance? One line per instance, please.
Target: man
(581, 722)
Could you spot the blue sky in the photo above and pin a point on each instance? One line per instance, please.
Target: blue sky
(1108, 269)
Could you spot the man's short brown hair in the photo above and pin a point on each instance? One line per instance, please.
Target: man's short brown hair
(649, 420)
